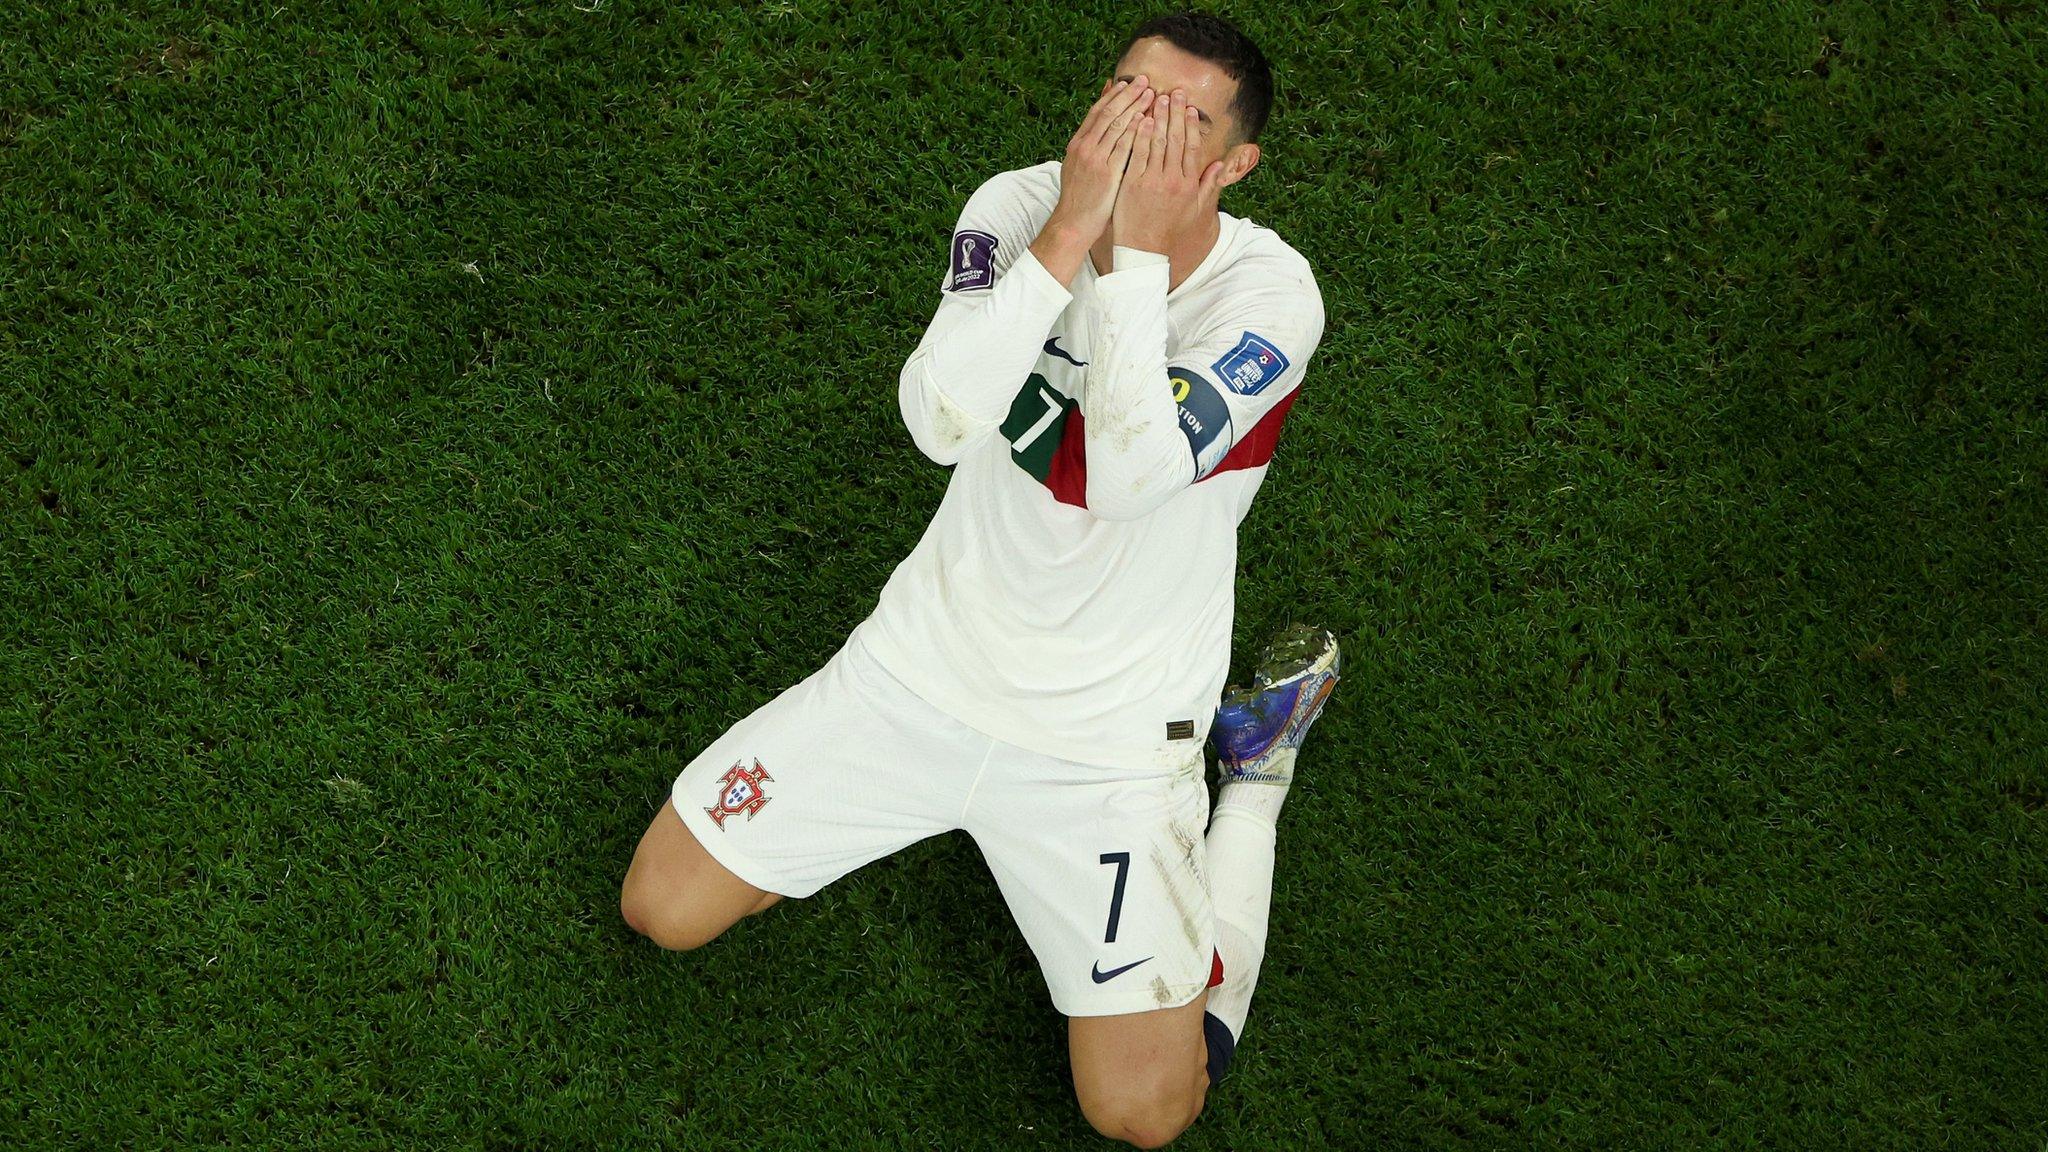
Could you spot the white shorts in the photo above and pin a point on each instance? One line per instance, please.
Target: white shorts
(1102, 866)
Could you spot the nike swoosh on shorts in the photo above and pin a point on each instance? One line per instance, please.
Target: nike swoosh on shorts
(1103, 977)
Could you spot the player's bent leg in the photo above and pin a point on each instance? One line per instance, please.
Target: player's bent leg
(676, 895)
(1141, 1077)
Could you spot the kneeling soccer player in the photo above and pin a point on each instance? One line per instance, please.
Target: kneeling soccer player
(1107, 372)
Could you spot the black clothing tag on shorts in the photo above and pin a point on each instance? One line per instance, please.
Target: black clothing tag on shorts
(1180, 729)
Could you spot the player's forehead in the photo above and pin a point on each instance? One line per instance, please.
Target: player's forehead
(1166, 67)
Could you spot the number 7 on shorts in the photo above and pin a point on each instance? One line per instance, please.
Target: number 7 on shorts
(1122, 860)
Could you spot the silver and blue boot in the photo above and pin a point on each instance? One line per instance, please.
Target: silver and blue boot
(1253, 726)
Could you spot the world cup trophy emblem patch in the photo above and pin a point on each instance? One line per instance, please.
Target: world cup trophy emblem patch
(739, 791)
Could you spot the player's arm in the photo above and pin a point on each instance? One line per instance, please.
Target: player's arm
(996, 305)
(1155, 424)
(1007, 283)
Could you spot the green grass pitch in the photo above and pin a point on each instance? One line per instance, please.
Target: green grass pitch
(423, 428)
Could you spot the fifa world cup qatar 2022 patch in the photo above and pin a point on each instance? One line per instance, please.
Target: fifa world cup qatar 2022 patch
(1249, 367)
(739, 790)
(974, 259)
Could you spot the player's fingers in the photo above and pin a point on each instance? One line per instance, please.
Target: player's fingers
(1089, 119)
(1131, 93)
(1177, 134)
(1102, 98)
(1155, 158)
(1085, 134)
(1120, 152)
(1125, 121)
(1141, 135)
(1115, 113)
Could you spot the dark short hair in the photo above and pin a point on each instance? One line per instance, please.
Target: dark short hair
(1221, 43)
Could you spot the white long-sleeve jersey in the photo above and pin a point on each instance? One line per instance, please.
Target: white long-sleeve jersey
(1073, 592)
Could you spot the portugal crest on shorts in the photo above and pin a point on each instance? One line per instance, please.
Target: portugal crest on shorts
(739, 791)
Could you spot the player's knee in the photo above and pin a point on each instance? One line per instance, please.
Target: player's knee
(1147, 1120)
(660, 921)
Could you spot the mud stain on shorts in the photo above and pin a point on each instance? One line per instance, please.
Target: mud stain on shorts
(1190, 846)
(1184, 889)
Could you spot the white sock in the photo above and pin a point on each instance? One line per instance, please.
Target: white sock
(1239, 846)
